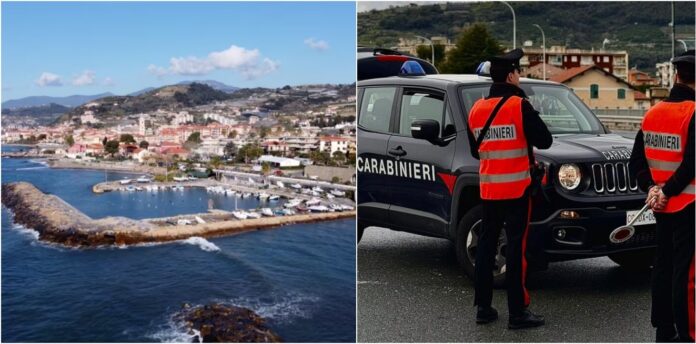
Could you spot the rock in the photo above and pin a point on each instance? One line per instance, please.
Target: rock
(223, 323)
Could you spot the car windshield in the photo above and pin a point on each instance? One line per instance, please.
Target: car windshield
(561, 110)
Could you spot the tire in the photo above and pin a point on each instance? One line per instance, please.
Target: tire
(466, 244)
(361, 230)
(634, 260)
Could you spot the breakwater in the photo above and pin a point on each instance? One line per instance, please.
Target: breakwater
(58, 222)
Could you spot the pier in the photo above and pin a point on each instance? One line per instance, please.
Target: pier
(58, 222)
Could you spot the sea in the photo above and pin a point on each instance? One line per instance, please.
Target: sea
(300, 277)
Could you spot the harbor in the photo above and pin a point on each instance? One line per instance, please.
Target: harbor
(58, 222)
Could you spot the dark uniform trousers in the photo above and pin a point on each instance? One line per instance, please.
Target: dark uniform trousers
(514, 215)
(670, 277)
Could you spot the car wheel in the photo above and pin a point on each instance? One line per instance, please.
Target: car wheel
(634, 260)
(466, 245)
(361, 230)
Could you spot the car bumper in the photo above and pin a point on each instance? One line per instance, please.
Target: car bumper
(585, 237)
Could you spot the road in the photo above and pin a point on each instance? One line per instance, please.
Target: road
(410, 289)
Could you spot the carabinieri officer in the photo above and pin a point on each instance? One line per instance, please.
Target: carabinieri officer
(506, 156)
(663, 162)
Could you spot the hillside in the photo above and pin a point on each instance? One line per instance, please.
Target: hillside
(41, 115)
(69, 101)
(172, 97)
(640, 28)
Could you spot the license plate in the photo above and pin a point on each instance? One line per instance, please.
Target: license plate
(647, 218)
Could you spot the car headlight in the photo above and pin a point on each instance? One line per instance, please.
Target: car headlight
(569, 176)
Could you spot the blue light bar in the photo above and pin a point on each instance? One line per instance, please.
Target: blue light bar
(484, 69)
(411, 68)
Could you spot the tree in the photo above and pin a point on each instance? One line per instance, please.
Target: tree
(69, 140)
(424, 52)
(232, 134)
(104, 140)
(339, 157)
(41, 137)
(195, 137)
(127, 138)
(263, 132)
(144, 144)
(248, 152)
(474, 46)
(265, 168)
(215, 162)
(230, 149)
(111, 147)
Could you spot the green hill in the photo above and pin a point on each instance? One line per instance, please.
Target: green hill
(641, 28)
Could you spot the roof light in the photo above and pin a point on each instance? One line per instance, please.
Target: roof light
(484, 69)
(411, 68)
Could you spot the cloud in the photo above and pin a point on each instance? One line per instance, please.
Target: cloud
(84, 79)
(315, 44)
(49, 79)
(247, 62)
(108, 81)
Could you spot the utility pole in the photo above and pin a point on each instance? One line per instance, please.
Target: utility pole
(543, 51)
(514, 26)
(432, 48)
(671, 66)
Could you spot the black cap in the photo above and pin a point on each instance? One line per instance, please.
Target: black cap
(685, 58)
(505, 64)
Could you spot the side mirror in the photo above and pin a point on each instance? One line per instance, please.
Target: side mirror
(426, 129)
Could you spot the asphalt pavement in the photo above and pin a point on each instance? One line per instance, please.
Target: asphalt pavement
(410, 289)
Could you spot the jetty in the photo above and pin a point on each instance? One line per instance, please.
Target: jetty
(59, 222)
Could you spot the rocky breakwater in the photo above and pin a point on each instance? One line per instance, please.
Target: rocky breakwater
(217, 323)
(59, 222)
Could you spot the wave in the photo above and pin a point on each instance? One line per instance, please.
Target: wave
(204, 244)
(175, 332)
(32, 168)
(31, 233)
(279, 308)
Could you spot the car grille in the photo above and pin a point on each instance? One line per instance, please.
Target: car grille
(613, 178)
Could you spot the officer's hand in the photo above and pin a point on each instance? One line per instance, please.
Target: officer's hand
(653, 195)
(661, 201)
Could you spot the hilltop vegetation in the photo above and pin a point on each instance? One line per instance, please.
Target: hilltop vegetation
(640, 28)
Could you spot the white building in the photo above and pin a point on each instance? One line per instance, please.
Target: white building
(220, 118)
(182, 117)
(276, 161)
(334, 144)
(88, 117)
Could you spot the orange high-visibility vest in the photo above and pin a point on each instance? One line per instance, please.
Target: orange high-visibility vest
(665, 128)
(504, 168)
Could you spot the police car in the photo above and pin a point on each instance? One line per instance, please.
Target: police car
(416, 172)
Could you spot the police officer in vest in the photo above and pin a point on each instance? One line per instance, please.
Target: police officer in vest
(506, 156)
(663, 162)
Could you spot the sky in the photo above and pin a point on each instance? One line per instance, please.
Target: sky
(67, 48)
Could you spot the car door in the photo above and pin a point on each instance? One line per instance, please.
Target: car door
(376, 105)
(420, 196)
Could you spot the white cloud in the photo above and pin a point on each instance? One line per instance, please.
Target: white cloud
(84, 79)
(316, 44)
(108, 81)
(247, 62)
(49, 79)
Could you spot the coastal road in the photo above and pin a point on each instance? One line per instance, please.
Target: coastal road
(410, 289)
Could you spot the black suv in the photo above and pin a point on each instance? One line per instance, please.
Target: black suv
(423, 179)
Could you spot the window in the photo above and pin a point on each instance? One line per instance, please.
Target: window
(606, 58)
(375, 110)
(594, 91)
(416, 104)
(586, 60)
(574, 58)
(621, 93)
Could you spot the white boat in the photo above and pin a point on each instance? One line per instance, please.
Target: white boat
(251, 181)
(264, 196)
(313, 201)
(273, 198)
(229, 192)
(346, 207)
(246, 195)
(292, 203)
(306, 191)
(180, 179)
(296, 186)
(266, 212)
(338, 193)
(288, 212)
(199, 220)
(183, 222)
(317, 189)
(330, 196)
(253, 215)
(335, 207)
(130, 188)
(318, 208)
(178, 187)
(124, 181)
(143, 179)
(242, 215)
(280, 184)
(139, 188)
(316, 194)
